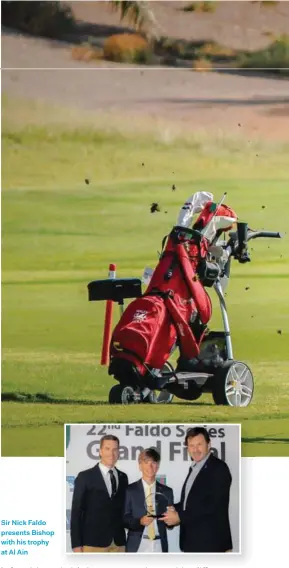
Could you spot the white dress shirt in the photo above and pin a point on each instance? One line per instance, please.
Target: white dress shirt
(104, 469)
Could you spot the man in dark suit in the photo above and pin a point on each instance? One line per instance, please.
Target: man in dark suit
(203, 511)
(97, 504)
(146, 533)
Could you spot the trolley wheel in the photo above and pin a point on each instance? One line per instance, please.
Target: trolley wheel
(160, 397)
(123, 394)
(233, 384)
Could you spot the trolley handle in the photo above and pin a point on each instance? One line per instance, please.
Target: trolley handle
(233, 247)
(267, 234)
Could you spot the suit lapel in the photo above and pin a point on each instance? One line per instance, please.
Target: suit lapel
(161, 489)
(100, 480)
(140, 496)
(161, 525)
(184, 487)
(119, 476)
(204, 468)
(201, 474)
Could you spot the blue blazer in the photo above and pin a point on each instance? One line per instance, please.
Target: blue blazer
(135, 509)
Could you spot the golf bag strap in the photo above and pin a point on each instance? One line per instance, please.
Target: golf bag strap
(175, 261)
(164, 241)
(194, 285)
(188, 345)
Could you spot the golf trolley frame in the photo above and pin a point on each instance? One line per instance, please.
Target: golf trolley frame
(215, 370)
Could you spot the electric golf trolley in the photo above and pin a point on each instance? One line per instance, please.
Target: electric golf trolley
(214, 370)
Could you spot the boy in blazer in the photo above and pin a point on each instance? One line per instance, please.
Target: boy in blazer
(146, 533)
(203, 511)
(97, 504)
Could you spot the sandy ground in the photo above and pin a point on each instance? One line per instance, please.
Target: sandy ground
(238, 24)
(44, 70)
(190, 100)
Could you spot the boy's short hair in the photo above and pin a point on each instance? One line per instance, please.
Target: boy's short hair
(149, 453)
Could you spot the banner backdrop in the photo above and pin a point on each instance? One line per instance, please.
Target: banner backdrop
(82, 452)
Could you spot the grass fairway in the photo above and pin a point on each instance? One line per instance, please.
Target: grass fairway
(58, 233)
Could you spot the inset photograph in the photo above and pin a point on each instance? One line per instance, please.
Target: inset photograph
(153, 488)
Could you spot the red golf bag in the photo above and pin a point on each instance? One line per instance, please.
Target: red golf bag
(175, 308)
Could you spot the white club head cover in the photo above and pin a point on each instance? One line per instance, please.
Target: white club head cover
(194, 204)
